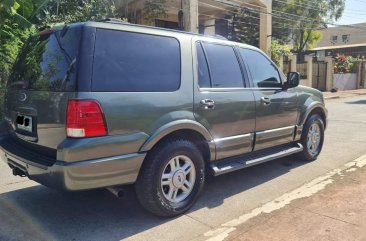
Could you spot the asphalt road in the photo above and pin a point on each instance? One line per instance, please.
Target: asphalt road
(29, 211)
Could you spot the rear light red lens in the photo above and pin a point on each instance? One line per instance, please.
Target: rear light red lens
(85, 119)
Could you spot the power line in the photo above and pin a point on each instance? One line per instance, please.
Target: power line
(258, 12)
(309, 21)
(288, 14)
(249, 16)
(301, 5)
(270, 13)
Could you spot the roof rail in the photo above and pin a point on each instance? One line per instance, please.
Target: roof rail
(116, 20)
(119, 21)
(220, 37)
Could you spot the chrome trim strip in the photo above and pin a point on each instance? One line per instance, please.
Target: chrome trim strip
(232, 137)
(277, 129)
(101, 160)
(233, 89)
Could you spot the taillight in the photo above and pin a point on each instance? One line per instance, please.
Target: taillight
(85, 119)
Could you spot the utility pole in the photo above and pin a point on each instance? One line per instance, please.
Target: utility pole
(190, 15)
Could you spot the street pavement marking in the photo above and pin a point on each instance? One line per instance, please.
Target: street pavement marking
(305, 190)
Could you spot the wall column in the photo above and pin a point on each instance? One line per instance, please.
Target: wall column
(309, 69)
(280, 65)
(210, 27)
(293, 62)
(330, 72)
(190, 15)
(265, 30)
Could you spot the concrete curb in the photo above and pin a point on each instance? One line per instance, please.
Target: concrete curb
(332, 97)
(344, 95)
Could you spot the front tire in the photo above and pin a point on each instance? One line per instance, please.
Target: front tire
(312, 138)
(171, 178)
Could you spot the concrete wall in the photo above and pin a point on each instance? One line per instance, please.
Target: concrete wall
(345, 81)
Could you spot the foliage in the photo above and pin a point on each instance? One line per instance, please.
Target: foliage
(306, 39)
(299, 20)
(278, 50)
(19, 19)
(14, 30)
(345, 64)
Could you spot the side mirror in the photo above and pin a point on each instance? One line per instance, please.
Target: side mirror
(293, 80)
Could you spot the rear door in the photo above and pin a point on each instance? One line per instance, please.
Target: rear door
(221, 102)
(43, 79)
(276, 108)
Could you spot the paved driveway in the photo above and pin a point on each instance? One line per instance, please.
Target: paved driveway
(29, 211)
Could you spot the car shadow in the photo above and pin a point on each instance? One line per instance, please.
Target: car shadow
(358, 102)
(99, 215)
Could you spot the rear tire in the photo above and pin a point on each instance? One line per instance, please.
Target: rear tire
(171, 178)
(312, 138)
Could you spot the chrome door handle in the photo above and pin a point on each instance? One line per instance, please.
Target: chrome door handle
(208, 104)
(266, 100)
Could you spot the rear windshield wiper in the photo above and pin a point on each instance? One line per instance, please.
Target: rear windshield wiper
(16, 83)
(63, 32)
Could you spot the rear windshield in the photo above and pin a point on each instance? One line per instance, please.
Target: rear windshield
(48, 62)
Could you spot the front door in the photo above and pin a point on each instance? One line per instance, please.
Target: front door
(276, 108)
(221, 102)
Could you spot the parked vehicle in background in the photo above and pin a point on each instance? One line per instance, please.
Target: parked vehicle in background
(102, 104)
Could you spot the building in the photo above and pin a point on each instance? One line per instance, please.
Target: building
(349, 40)
(344, 35)
(206, 16)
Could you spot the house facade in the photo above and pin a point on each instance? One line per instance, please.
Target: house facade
(349, 40)
(343, 35)
(207, 16)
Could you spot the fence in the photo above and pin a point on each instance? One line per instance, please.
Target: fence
(302, 68)
(362, 74)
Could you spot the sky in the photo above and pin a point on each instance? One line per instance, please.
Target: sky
(355, 12)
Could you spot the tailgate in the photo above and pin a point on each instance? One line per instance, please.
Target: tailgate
(42, 81)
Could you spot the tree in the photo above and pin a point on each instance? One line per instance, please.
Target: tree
(68, 11)
(244, 27)
(278, 50)
(299, 20)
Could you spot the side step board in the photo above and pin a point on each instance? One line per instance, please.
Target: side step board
(251, 159)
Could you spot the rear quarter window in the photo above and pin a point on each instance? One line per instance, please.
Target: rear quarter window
(135, 62)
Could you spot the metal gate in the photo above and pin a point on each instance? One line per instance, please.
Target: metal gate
(320, 75)
(362, 72)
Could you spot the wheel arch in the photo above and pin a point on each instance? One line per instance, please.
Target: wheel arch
(315, 108)
(183, 129)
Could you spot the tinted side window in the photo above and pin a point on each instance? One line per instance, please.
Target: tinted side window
(203, 73)
(125, 61)
(224, 66)
(264, 72)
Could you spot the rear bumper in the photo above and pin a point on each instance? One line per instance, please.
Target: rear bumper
(81, 175)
